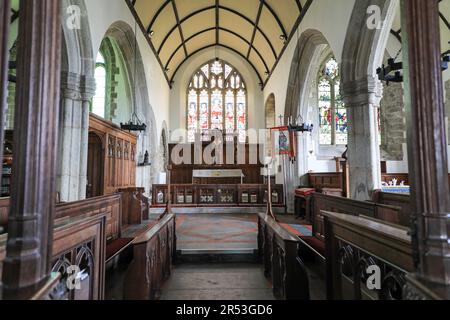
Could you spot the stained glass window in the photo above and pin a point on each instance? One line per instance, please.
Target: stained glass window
(332, 111)
(217, 100)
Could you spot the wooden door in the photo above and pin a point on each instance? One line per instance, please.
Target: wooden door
(95, 166)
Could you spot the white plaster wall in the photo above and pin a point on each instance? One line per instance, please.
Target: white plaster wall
(331, 18)
(100, 21)
(256, 117)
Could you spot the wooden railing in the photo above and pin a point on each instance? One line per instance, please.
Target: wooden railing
(154, 252)
(386, 213)
(110, 206)
(245, 195)
(360, 252)
(278, 251)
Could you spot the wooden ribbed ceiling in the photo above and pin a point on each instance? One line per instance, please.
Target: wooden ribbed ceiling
(257, 30)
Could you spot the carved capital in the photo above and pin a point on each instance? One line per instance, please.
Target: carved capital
(362, 92)
(77, 87)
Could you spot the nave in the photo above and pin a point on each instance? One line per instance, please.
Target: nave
(293, 150)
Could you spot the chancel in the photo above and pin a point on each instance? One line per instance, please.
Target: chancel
(224, 150)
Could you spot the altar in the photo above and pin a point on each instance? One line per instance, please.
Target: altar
(225, 176)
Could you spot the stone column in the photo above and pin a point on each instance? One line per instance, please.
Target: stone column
(77, 92)
(427, 146)
(5, 11)
(362, 99)
(30, 223)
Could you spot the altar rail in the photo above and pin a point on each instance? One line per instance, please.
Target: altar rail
(227, 195)
(278, 250)
(355, 243)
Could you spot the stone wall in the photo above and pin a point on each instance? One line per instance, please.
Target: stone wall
(393, 123)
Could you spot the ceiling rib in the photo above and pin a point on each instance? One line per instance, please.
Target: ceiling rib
(177, 18)
(294, 30)
(150, 26)
(213, 45)
(146, 35)
(258, 16)
(217, 21)
(224, 30)
(280, 24)
(221, 8)
(216, 5)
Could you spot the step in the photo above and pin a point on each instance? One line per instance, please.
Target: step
(217, 256)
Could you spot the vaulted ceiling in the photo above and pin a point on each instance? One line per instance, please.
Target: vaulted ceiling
(257, 30)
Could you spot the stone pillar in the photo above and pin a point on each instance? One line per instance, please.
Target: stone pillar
(427, 148)
(5, 12)
(77, 92)
(362, 99)
(393, 123)
(30, 223)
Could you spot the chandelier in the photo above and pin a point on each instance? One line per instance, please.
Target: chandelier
(393, 71)
(135, 123)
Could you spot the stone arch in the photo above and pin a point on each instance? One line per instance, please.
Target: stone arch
(124, 38)
(312, 47)
(77, 90)
(363, 52)
(270, 111)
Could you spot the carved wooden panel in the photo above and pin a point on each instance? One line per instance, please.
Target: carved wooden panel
(279, 254)
(152, 261)
(119, 155)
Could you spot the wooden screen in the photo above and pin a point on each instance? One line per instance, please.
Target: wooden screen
(117, 154)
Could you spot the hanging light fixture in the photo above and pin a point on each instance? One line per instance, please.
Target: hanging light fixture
(135, 123)
(393, 72)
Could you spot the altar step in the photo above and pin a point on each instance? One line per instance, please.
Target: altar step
(217, 256)
(216, 210)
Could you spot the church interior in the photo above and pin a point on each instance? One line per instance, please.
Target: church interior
(225, 150)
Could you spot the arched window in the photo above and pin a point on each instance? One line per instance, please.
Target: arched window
(217, 100)
(332, 112)
(99, 100)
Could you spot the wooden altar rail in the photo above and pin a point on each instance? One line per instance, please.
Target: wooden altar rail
(245, 195)
(154, 253)
(353, 244)
(278, 250)
(387, 213)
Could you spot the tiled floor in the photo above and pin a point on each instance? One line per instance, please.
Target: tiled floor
(217, 282)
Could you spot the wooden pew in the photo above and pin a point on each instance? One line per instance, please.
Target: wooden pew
(77, 241)
(80, 241)
(278, 251)
(395, 199)
(4, 209)
(383, 212)
(355, 243)
(154, 252)
(134, 206)
(328, 183)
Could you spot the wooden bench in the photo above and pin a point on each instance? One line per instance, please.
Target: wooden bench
(278, 251)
